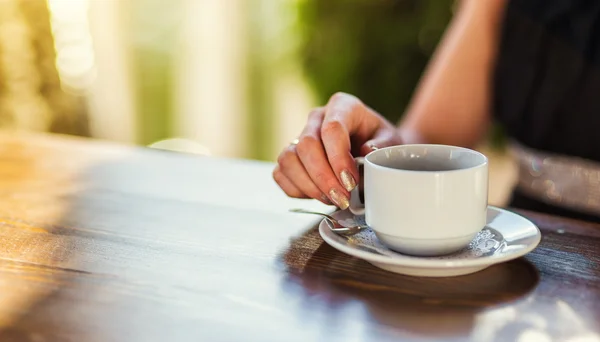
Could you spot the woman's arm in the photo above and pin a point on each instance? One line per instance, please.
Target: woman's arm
(452, 103)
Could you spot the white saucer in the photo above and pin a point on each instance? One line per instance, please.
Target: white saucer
(506, 236)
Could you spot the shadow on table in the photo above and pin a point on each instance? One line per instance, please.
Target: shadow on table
(430, 307)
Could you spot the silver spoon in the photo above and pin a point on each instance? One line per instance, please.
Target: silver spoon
(333, 224)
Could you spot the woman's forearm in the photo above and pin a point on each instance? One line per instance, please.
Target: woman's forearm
(451, 105)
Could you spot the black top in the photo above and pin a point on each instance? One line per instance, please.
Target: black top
(547, 81)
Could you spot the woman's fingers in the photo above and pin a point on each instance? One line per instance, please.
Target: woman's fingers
(287, 185)
(383, 138)
(314, 159)
(346, 116)
(321, 164)
(293, 172)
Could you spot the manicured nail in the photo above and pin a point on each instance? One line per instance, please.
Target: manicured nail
(339, 199)
(347, 180)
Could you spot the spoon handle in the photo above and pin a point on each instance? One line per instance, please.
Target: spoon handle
(303, 211)
(333, 224)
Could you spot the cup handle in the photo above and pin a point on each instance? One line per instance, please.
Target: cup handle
(357, 206)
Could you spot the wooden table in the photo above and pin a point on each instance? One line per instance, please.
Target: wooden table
(101, 242)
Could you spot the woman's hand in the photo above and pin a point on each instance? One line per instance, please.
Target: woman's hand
(321, 164)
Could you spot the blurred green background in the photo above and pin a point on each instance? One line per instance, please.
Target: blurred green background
(376, 50)
(223, 78)
(236, 77)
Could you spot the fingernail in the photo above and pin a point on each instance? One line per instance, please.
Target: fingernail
(339, 199)
(325, 199)
(347, 180)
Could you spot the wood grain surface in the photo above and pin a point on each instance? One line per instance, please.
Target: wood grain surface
(102, 242)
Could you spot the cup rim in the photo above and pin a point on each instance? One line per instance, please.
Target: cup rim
(484, 163)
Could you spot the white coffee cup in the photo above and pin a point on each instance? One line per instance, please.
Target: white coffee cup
(424, 200)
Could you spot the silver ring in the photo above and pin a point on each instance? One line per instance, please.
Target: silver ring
(294, 142)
